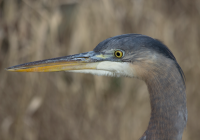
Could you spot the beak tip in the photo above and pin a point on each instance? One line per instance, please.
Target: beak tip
(12, 68)
(9, 69)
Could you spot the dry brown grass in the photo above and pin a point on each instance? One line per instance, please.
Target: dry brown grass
(58, 106)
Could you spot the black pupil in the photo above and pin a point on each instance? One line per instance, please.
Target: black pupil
(118, 54)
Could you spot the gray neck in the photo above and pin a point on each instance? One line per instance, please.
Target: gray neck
(168, 106)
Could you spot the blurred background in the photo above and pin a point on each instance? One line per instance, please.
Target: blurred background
(68, 106)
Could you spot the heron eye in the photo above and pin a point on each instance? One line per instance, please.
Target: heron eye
(118, 54)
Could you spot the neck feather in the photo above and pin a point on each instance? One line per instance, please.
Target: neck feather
(168, 105)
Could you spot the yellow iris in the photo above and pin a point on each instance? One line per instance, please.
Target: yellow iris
(118, 54)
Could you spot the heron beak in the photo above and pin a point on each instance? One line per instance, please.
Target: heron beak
(83, 61)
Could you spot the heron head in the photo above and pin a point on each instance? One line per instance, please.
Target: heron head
(131, 55)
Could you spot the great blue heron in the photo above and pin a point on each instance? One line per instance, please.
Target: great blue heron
(133, 55)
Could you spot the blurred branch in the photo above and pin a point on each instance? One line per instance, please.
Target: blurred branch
(36, 10)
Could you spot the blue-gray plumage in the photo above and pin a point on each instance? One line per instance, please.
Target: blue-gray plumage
(139, 56)
(134, 43)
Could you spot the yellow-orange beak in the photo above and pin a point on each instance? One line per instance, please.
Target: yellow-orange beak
(81, 61)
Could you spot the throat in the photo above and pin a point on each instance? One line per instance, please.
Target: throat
(168, 107)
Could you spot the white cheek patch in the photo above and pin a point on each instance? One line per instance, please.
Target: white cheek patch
(95, 72)
(118, 68)
(107, 68)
